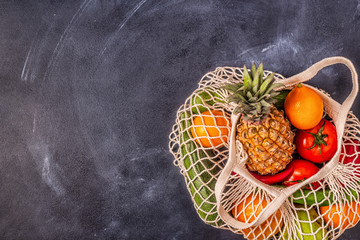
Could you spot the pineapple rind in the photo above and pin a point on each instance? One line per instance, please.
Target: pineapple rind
(269, 144)
(263, 130)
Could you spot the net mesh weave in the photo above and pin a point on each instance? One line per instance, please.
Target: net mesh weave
(322, 213)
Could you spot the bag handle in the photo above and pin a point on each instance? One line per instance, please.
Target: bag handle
(280, 195)
(314, 69)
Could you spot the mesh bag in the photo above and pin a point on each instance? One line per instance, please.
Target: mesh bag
(227, 196)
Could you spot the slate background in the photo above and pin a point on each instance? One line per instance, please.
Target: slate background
(89, 91)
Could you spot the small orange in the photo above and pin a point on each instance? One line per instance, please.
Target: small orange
(304, 107)
(211, 128)
(248, 209)
(341, 215)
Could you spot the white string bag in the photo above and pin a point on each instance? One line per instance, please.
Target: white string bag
(217, 192)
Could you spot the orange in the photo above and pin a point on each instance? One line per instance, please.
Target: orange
(248, 209)
(211, 128)
(344, 215)
(304, 107)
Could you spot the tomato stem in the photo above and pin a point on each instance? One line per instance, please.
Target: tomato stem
(319, 139)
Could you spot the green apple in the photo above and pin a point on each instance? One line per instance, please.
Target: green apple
(307, 227)
(202, 99)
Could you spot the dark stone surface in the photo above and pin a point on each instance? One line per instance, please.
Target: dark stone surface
(89, 91)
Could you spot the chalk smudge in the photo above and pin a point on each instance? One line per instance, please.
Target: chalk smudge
(267, 48)
(31, 55)
(357, 11)
(41, 154)
(60, 44)
(121, 25)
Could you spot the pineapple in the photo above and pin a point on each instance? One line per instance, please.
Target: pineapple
(263, 130)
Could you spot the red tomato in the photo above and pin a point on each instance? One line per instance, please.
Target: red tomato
(317, 144)
(352, 155)
(352, 152)
(303, 169)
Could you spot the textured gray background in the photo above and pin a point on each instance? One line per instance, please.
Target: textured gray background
(89, 91)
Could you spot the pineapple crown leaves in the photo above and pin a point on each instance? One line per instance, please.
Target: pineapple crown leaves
(255, 96)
